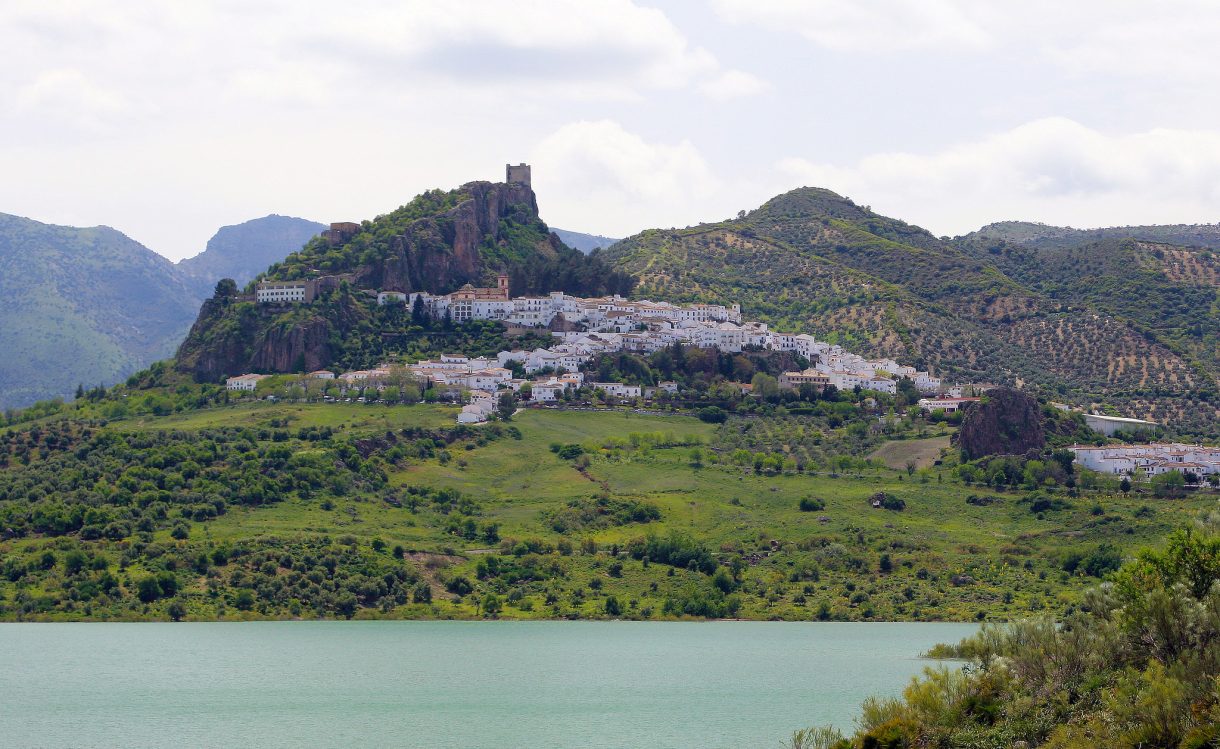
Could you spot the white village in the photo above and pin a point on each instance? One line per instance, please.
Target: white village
(605, 325)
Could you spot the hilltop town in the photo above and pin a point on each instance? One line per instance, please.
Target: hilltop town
(583, 328)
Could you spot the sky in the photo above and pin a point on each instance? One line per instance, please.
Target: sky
(167, 120)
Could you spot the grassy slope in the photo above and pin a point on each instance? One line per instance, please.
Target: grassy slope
(1001, 547)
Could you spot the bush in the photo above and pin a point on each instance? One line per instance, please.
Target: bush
(244, 600)
(460, 586)
(570, 452)
(887, 501)
(713, 415)
(811, 504)
(422, 592)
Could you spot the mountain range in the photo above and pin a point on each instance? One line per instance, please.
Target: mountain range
(91, 305)
(586, 243)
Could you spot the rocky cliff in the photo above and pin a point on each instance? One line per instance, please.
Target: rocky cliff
(1005, 422)
(440, 253)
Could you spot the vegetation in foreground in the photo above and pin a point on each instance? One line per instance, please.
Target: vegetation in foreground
(279, 510)
(1136, 665)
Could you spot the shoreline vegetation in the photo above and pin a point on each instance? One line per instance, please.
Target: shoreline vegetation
(1137, 665)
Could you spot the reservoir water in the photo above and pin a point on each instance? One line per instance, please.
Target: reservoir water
(472, 685)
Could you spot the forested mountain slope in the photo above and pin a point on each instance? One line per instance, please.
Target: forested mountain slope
(583, 242)
(812, 260)
(81, 306)
(244, 250)
(1044, 235)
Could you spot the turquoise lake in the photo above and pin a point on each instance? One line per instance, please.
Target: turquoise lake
(472, 685)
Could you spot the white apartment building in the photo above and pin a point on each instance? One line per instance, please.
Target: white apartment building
(281, 292)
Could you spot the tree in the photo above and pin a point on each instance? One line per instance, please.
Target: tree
(226, 288)
(613, 607)
(419, 313)
(765, 386)
(148, 589)
(176, 611)
(1125, 485)
(1168, 484)
(422, 592)
(491, 605)
(506, 406)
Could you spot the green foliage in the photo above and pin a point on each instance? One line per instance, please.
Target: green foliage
(811, 504)
(267, 493)
(599, 512)
(675, 549)
(1136, 666)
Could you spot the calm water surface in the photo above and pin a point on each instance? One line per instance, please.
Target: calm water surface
(472, 685)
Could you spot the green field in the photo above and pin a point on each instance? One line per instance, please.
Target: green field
(901, 454)
(939, 558)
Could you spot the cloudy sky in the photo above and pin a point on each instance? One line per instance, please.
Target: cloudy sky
(167, 120)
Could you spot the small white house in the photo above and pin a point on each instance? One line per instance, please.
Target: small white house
(547, 392)
(618, 389)
(322, 374)
(247, 382)
(477, 412)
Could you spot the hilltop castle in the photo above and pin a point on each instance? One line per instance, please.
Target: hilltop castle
(517, 175)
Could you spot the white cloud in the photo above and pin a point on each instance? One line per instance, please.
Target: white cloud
(67, 91)
(610, 43)
(1053, 170)
(600, 177)
(733, 84)
(863, 25)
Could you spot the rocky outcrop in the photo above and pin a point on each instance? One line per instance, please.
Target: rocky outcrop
(303, 347)
(1005, 422)
(441, 253)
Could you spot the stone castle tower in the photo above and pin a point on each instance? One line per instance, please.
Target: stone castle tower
(517, 175)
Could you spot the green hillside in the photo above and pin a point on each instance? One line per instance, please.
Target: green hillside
(258, 509)
(92, 306)
(811, 260)
(1044, 235)
(81, 306)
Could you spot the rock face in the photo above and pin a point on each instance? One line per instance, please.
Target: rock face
(441, 253)
(303, 348)
(1005, 422)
